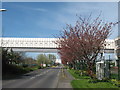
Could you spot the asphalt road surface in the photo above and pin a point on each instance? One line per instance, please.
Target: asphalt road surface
(42, 78)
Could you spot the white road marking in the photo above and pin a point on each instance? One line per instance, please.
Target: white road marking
(32, 77)
(41, 74)
(58, 73)
(38, 75)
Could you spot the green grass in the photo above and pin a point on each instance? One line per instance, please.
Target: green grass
(83, 82)
(77, 76)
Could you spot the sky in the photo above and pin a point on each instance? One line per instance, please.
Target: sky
(47, 19)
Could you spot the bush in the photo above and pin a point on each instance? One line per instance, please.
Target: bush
(92, 81)
(81, 72)
(66, 67)
(77, 74)
(115, 82)
(39, 67)
(13, 69)
(25, 65)
(114, 76)
(28, 69)
(95, 80)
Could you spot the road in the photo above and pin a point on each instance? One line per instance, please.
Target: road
(42, 78)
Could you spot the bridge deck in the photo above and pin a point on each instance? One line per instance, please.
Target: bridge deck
(42, 44)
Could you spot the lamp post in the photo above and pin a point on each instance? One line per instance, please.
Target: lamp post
(2, 10)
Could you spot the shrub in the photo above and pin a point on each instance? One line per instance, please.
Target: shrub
(25, 65)
(115, 82)
(13, 69)
(39, 67)
(95, 80)
(114, 76)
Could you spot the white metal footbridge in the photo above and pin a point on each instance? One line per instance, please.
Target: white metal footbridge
(42, 44)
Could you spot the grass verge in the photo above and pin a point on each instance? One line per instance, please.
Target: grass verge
(83, 82)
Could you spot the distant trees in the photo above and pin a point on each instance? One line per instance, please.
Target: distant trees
(46, 59)
(28, 61)
(82, 43)
(42, 59)
(16, 58)
(52, 58)
(15, 63)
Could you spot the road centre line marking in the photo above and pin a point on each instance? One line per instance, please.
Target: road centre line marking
(40, 74)
(32, 77)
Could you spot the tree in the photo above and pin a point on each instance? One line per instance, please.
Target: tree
(11, 57)
(28, 61)
(84, 41)
(42, 59)
(5, 58)
(52, 58)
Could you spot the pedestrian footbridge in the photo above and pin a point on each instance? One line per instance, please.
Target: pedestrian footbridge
(42, 44)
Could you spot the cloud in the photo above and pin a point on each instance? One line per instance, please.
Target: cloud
(26, 8)
(36, 9)
(39, 9)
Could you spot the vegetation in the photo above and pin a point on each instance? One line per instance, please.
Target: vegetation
(76, 74)
(13, 71)
(79, 48)
(52, 58)
(46, 59)
(29, 62)
(42, 59)
(81, 44)
(16, 63)
(85, 84)
(114, 76)
(10, 57)
(85, 81)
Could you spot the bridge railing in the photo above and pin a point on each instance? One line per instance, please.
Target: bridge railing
(29, 42)
(40, 43)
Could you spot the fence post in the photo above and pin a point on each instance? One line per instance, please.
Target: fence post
(118, 68)
(109, 68)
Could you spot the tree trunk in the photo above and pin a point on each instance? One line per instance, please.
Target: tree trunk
(90, 70)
